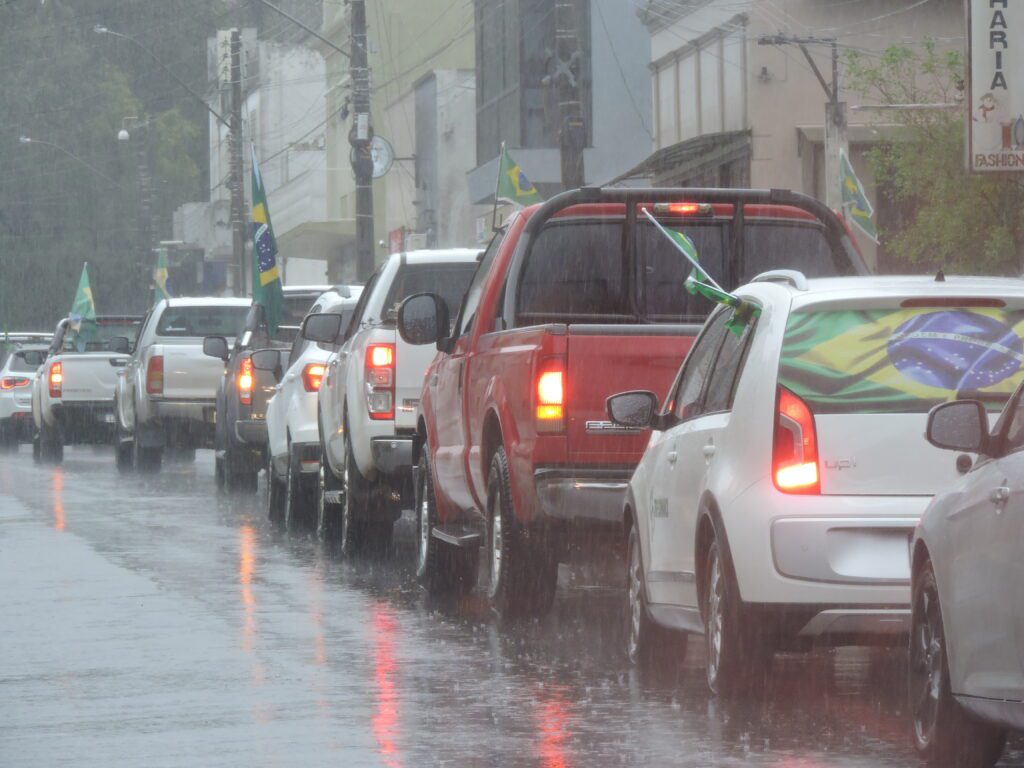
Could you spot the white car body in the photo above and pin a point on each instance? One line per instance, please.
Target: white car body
(183, 411)
(828, 564)
(16, 377)
(383, 445)
(291, 412)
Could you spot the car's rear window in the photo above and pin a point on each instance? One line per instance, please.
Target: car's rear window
(901, 360)
(27, 360)
(97, 338)
(449, 281)
(201, 321)
(577, 270)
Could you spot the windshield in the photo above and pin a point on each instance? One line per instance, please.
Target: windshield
(201, 321)
(902, 360)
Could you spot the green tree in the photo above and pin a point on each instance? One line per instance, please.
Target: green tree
(959, 221)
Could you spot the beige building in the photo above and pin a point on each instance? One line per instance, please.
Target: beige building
(731, 112)
(421, 57)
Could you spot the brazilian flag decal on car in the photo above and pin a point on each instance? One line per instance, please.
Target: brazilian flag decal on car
(902, 360)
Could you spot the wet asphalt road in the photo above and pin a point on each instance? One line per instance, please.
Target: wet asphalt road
(149, 622)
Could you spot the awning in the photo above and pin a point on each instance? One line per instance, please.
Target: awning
(688, 158)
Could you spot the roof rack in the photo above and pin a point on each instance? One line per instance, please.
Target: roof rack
(792, 277)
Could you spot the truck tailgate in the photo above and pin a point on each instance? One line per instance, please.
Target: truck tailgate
(90, 376)
(188, 373)
(607, 359)
(411, 365)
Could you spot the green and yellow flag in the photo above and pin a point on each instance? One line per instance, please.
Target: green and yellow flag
(267, 289)
(855, 203)
(160, 291)
(513, 185)
(83, 312)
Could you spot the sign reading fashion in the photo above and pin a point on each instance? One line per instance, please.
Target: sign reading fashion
(995, 126)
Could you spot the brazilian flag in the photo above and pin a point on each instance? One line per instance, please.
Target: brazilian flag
(82, 318)
(267, 290)
(902, 360)
(513, 185)
(855, 202)
(160, 291)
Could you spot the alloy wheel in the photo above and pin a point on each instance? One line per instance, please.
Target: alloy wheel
(926, 669)
(424, 528)
(713, 615)
(496, 545)
(635, 602)
(321, 528)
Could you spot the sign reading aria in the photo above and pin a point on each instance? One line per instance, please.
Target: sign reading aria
(995, 125)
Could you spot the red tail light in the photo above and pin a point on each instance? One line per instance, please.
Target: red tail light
(56, 379)
(380, 381)
(550, 394)
(683, 209)
(13, 382)
(313, 376)
(245, 381)
(155, 375)
(795, 454)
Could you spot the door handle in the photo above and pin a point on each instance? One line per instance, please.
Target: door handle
(334, 363)
(999, 495)
(709, 450)
(672, 456)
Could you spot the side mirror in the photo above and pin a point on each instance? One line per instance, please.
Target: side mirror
(423, 319)
(216, 346)
(633, 410)
(322, 327)
(119, 344)
(268, 360)
(961, 425)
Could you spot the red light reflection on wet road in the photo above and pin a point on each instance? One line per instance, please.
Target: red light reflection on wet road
(385, 719)
(58, 500)
(552, 718)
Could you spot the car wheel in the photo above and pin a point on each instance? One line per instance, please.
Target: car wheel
(521, 579)
(646, 642)
(275, 495)
(51, 446)
(326, 512)
(37, 449)
(123, 455)
(944, 733)
(355, 529)
(442, 569)
(297, 499)
(737, 659)
(240, 474)
(146, 459)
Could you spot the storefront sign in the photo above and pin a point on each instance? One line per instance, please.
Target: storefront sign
(995, 126)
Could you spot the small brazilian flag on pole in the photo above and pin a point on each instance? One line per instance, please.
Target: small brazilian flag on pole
(82, 318)
(266, 279)
(160, 291)
(513, 185)
(855, 203)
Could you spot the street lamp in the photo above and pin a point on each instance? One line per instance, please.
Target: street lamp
(69, 153)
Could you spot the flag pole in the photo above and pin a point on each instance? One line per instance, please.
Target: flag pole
(497, 185)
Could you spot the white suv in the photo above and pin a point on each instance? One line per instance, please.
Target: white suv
(776, 500)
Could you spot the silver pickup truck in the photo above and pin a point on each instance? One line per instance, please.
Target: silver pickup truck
(73, 390)
(166, 394)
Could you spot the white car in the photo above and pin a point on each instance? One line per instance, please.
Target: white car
(785, 475)
(293, 437)
(16, 375)
(369, 398)
(966, 670)
(166, 394)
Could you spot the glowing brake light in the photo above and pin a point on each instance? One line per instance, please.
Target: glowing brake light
(550, 409)
(683, 209)
(313, 376)
(380, 381)
(155, 375)
(245, 381)
(13, 382)
(56, 379)
(795, 451)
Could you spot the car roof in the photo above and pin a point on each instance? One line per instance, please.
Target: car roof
(208, 301)
(440, 256)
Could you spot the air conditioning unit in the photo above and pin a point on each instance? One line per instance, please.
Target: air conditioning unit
(415, 241)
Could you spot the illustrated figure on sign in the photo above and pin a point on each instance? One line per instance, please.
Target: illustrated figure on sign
(988, 123)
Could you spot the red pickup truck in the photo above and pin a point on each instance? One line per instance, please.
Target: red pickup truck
(574, 300)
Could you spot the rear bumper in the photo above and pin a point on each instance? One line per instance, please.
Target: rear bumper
(251, 432)
(183, 410)
(11, 406)
(581, 494)
(85, 421)
(392, 455)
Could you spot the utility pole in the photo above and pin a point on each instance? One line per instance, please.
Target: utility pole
(835, 111)
(237, 170)
(360, 136)
(572, 132)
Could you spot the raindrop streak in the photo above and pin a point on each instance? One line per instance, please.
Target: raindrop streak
(385, 719)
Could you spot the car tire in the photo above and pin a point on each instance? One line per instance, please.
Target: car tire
(647, 643)
(522, 575)
(327, 513)
(358, 534)
(146, 459)
(945, 734)
(239, 474)
(738, 659)
(275, 496)
(51, 446)
(298, 499)
(442, 569)
(123, 455)
(37, 451)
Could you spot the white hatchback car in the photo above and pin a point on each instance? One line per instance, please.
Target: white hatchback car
(16, 375)
(293, 437)
(785, 474)
(966, 670)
